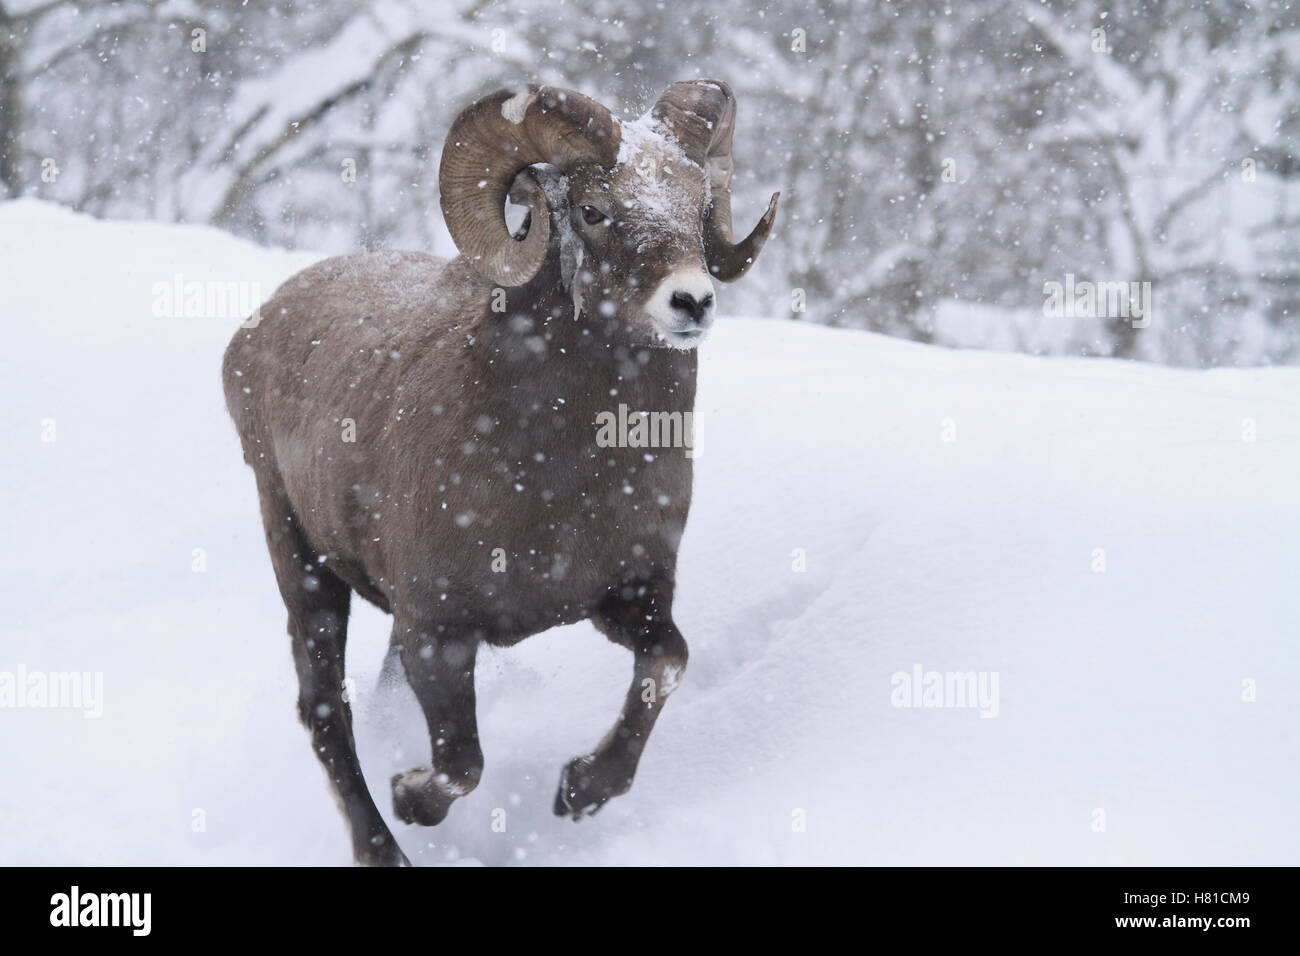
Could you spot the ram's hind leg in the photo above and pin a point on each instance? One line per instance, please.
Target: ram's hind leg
(639, 617)
(318, 603)
(440, 671)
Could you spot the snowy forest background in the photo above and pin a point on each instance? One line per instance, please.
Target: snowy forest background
(938, 162)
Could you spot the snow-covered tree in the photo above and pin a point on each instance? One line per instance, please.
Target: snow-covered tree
(938, 162)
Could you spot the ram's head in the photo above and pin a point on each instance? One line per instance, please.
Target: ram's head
(640, 212)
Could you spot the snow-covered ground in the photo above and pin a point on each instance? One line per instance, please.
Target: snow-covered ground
(949, 508)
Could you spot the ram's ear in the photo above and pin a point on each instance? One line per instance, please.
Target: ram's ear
(525, 191)
(538, 183)
(548, 184)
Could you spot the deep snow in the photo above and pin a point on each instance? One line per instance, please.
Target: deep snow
(1119, 691)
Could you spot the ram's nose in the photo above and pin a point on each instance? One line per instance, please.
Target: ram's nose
(682, 307)
(694, 307)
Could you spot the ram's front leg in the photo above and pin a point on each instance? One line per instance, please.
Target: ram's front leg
(441, 672)
(638, 617)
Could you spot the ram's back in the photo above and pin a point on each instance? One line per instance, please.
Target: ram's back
(316, 382)
(320, 319)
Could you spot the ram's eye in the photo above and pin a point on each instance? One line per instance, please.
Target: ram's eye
(592, 216)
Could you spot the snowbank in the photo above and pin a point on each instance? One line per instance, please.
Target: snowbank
(951, 511)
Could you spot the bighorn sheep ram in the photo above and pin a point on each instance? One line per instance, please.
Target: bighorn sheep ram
(423, 432)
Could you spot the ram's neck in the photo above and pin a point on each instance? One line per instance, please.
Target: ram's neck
(535, 342)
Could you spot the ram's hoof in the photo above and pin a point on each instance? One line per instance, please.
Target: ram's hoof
(584, 789)
(418, 798)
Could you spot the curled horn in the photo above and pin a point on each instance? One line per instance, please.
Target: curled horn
(489, 144)
(701, 115)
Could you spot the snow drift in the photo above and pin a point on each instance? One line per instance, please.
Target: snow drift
(1113, 547)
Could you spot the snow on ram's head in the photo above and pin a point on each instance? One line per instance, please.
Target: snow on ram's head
(665, 185)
